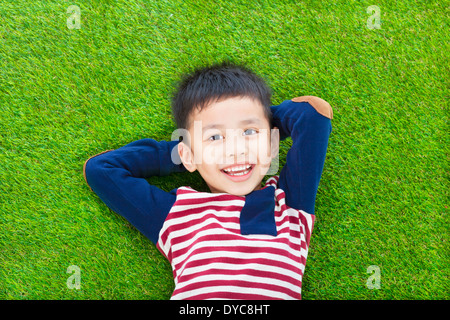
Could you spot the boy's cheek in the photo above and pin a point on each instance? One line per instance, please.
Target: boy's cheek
(265, 160)
(207, 154)
(212, 155)
(262, 148)
(263, 168)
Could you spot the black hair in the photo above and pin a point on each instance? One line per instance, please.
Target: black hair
(216, 82)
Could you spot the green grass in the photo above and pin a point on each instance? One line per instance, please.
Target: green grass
(66, 94)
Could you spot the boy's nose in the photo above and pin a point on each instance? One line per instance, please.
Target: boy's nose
(235, 146)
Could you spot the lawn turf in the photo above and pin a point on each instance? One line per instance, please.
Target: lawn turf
(67, 94)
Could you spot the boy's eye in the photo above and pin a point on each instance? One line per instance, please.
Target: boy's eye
(216, 137)
(249, 132)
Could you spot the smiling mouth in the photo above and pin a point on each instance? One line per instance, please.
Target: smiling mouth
(238, 171)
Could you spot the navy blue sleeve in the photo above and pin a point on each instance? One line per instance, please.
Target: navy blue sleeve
(307, 120)
(119, 176)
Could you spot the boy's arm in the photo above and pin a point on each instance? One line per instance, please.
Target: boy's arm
(118, 177)
(307, 120)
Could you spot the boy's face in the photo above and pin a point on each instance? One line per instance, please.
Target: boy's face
(231, 144)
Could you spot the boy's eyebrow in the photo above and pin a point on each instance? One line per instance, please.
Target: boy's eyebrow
(250, 121)
(242, 122)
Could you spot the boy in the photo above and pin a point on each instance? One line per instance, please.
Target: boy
(242, 240)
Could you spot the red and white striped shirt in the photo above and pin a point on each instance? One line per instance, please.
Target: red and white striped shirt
(211, 259)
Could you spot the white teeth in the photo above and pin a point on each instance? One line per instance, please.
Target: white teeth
(239, 173)
(238, 170)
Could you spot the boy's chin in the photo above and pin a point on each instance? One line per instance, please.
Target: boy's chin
(239, 190)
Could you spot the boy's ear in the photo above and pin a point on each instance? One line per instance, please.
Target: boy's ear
(187, 157)
(274, 142)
